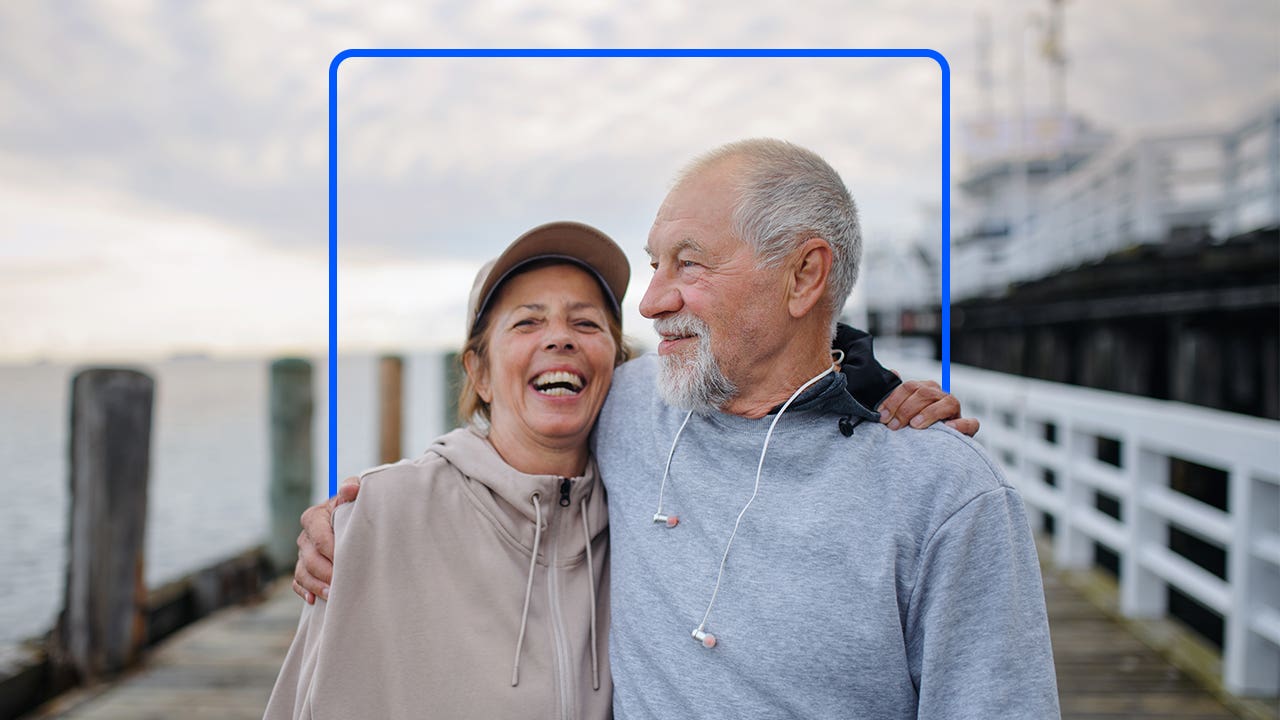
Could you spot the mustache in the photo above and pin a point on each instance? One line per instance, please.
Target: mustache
(681, 325)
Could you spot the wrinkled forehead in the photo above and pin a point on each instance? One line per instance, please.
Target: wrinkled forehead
(546, 282)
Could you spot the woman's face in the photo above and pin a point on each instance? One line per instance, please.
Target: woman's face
(550, 358)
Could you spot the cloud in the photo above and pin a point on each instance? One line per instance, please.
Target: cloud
(214, 115)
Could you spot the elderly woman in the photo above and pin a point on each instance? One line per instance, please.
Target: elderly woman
(503, 609)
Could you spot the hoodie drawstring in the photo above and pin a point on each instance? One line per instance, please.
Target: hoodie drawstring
(591, 586)
(528, 587)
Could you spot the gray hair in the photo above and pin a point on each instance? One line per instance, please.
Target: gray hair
(786, 195)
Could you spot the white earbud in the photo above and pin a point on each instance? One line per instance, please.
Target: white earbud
(707, 639)
(670, 520)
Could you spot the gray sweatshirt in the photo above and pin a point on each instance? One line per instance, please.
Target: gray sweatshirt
(880, 575)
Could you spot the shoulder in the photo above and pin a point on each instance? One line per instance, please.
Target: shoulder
(635, 373)
(395, 483)
(633, 390)
(932, 473)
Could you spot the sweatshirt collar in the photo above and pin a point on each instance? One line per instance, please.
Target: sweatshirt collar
(829, 396)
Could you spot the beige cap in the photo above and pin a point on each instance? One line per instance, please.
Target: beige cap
(572, 242)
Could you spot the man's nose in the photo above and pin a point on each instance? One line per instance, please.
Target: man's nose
(660, 298)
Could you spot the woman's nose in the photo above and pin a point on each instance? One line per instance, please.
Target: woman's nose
(559, 337)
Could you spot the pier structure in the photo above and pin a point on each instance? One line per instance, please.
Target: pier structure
(1179, 504)
(1115, 324)
(225, 667)
(110, 620)
(1073, 456)
(1077, 197)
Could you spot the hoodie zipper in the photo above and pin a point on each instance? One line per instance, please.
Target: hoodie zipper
(557, 621)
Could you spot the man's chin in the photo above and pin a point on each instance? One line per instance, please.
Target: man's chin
(679, 387)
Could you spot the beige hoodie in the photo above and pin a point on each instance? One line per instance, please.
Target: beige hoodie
(431, 575)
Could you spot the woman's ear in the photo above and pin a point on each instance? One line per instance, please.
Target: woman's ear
(479, 375)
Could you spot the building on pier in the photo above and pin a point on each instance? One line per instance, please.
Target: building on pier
(1149, 266)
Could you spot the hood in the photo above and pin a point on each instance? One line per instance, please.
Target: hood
(471, 453)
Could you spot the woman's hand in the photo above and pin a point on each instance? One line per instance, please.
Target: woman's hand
(314, 571)
(921, 403)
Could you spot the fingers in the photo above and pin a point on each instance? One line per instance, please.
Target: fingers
(317, 528)
(347, 491)
(314, 569)
(313, 572)
(909, 401)
(968, 426)
(306, 596)
(889, 406)
(945, 407)
(921, 403)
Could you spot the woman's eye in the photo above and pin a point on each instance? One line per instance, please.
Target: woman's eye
(589, 324)
(523, 322)
(687, 263)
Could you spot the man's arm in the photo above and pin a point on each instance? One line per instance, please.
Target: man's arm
(977, 631)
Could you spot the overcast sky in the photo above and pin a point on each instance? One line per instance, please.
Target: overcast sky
(163, 165)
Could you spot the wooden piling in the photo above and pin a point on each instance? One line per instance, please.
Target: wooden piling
(101, 629)
(292, 407)
(390, 408)
(453, 375)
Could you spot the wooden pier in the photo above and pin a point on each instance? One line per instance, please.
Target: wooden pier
(225, 666)
(222, 667)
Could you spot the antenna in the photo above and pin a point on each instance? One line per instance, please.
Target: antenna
(984, 75)
(1054, 54)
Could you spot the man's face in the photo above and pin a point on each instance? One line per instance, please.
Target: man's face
(717, 314)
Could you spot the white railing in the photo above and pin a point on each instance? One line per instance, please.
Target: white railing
(1046, 436)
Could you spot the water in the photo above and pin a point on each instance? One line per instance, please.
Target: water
(209, 466)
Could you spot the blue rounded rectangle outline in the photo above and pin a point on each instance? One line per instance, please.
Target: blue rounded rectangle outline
(945, 301)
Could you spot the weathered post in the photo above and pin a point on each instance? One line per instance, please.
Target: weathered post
(291, 410)
(453, 377)
(102, 628)
(390, 407)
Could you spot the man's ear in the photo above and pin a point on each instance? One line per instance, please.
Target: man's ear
(809, 273)
(479, 375)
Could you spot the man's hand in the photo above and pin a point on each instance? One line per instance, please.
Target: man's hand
(921, 403)
(314, 571)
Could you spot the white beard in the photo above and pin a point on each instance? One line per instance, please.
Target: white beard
(692, 381)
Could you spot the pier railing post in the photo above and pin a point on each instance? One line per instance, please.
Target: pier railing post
(102, 627)
(390, 408)
(291, 457)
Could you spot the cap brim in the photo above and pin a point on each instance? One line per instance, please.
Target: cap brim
(573, 242)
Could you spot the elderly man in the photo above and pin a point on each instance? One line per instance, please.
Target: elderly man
(820, 572)
(773, 554)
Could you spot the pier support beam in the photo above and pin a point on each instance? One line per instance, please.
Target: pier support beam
(291, 457)
(390, 408)
(102, 629)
